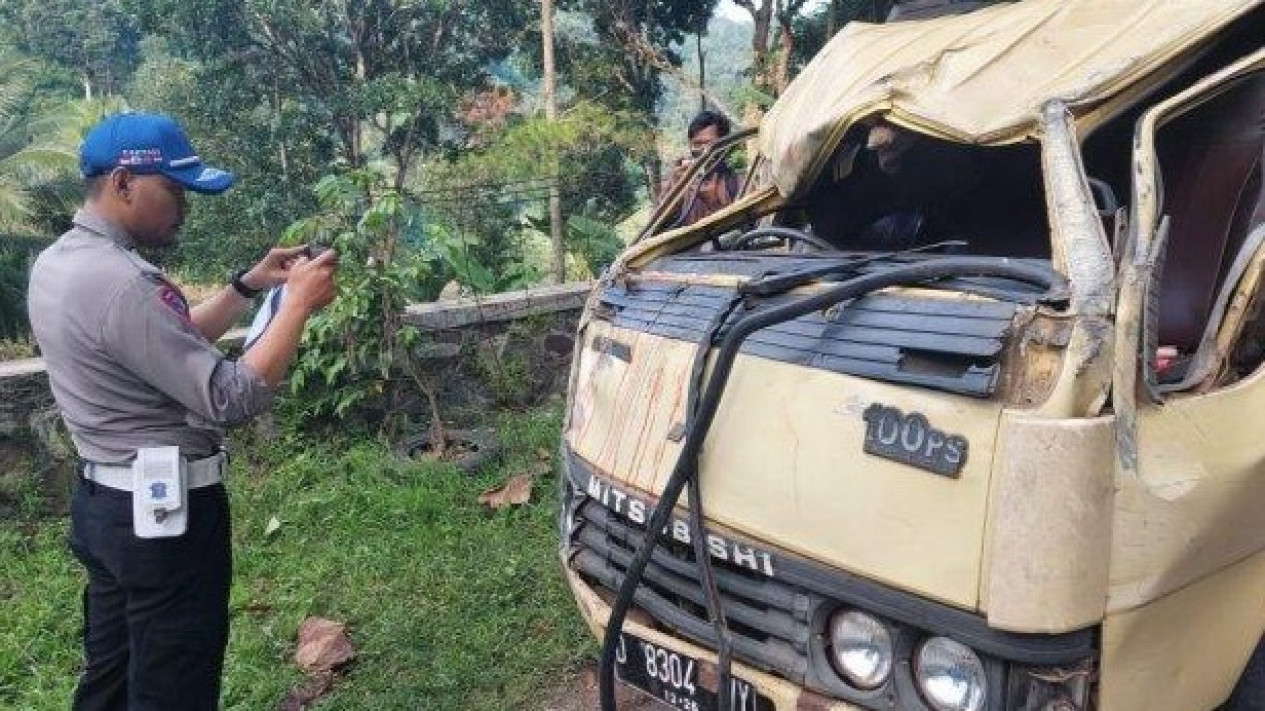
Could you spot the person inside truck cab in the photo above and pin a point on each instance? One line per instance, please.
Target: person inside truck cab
(891, 189)
(708, 192)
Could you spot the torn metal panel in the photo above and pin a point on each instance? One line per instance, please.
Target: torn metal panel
(1081, 251)
(1149, 229)
(1192, 504)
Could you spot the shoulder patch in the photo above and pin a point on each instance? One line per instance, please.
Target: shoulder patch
(171, 297)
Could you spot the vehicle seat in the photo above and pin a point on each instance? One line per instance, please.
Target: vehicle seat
(1211, 162)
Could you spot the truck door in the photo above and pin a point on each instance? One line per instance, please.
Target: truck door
(1186, 603)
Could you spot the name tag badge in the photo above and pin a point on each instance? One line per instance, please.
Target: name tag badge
(159, 495)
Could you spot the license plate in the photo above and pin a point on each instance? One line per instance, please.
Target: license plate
(673, 678)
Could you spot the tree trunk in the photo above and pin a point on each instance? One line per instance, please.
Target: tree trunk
(282, 154)
(551, 114)
(782, 70)
(760, 60)
(358, 131)
(702, 72)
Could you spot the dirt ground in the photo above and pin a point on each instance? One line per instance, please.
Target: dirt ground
(581, 695)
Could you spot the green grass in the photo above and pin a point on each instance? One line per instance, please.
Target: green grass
(450, 605)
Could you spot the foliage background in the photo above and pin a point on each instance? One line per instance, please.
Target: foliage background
(442, 98)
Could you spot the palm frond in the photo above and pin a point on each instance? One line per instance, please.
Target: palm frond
(40, 163)
(15, 206)
(16, 81)
(64, 126)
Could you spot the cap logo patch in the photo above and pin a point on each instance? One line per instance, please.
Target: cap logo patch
(140, 156)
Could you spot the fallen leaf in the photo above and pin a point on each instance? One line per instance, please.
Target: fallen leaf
(544, 454)
(274, 525)
(515, 492)
(323, 646)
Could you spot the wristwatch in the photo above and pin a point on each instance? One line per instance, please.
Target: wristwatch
(241, 288)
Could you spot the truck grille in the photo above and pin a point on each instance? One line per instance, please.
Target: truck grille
(768, 620)
(776, 603)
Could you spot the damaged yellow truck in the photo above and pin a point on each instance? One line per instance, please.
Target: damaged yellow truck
(959, 406)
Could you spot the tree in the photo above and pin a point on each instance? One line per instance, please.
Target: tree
(489, 205)
(770, 64)
(16, 74)
(95, 40)
(276, 146)
(383, 74)
(620, 64)
(814, 29)
(39, 139)
(39, 142)
(551, 114)
(728, 80)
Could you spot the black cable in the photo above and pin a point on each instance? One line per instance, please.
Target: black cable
(696, 432)
(698, 531)
(787, 233)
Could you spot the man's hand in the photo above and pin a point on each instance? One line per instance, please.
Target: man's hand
(679, 169)
(274, 268)
(309, 288)
(310, 282)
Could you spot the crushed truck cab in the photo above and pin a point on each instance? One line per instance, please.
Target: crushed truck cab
(955, 407)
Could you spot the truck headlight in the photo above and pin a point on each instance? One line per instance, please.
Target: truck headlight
(862, 649)
(950, 676)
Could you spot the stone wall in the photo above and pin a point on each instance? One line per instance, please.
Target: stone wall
(33, 448)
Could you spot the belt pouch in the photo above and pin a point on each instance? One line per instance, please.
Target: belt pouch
(160, 495)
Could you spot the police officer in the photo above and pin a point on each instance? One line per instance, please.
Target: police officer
(134, 368)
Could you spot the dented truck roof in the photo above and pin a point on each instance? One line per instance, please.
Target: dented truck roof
(982, 77)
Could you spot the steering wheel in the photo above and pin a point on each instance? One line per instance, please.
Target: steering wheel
(790, 234)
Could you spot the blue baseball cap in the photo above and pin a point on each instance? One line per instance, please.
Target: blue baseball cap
(149, 144)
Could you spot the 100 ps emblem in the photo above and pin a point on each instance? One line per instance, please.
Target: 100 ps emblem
(910, 439)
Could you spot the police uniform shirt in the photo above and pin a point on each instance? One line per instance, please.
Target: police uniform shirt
(126, 364)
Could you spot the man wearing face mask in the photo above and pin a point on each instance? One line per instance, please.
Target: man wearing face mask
(145, 395)
(713, 191)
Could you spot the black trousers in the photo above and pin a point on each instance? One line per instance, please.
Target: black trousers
(155, 611)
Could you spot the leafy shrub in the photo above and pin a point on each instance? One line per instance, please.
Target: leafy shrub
(358, 345)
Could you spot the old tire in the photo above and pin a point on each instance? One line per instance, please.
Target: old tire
(476, 447)
(1249, 695)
